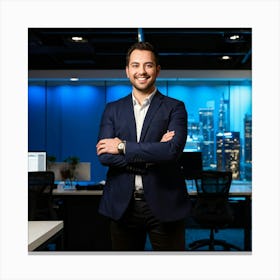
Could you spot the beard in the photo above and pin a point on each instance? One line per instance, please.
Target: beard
(146, 86)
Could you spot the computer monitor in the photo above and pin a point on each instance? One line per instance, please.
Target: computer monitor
(82, 171)
(191, 164)
(37, 161)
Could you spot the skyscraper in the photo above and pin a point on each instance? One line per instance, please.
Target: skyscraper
(228, 152)
(248, 147)
(194, 138)
(206, 120)
(221, 124)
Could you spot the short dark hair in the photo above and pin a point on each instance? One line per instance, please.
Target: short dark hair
(143, 46)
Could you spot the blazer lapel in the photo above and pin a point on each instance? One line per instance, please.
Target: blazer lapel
(155, 104)
(129, 115)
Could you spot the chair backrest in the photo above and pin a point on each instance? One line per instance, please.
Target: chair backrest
(212, 206)
(41, 178)
(191, 165)
(40, 186)
(214, 182)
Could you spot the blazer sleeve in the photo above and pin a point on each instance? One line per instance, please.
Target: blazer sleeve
(155, 152)
(107, 130)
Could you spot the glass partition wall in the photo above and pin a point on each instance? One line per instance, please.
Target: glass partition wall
(63, 119)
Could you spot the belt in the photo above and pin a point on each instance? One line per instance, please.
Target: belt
(138, 195)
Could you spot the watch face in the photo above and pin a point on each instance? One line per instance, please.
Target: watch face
(121, 146)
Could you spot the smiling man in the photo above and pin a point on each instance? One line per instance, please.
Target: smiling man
(142, 69)
(141, 138)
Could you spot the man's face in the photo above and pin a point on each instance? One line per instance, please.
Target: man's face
(142, 70)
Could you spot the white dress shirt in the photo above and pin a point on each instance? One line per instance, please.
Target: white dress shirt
(140, 112)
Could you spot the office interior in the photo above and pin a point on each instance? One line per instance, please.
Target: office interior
(63, 121)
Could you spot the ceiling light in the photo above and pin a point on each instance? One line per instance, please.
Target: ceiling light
(78, 39)
(74, 79)
(234, 37)
(225, 57)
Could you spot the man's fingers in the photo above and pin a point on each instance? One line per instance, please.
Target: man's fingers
(167, 136)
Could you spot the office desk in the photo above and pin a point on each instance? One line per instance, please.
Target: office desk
(244, 191)
(40, 232)
(87, 230)
(240, 196)
(76, 192)
(236, 189)
(84, 228)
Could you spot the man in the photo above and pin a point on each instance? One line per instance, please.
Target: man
(141, 137)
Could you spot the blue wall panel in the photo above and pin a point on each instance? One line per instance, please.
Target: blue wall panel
(115, 92)
(36, 118)
(72, 118)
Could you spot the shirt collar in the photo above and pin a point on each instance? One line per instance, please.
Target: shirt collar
(147, 100)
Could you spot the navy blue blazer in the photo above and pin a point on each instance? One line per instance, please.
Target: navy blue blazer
(164, 185)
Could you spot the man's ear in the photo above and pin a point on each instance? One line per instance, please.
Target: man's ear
(158, 69)
(126, 70)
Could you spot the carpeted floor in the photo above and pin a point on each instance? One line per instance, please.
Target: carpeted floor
(233, 236)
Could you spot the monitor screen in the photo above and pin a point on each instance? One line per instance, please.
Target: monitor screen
(191, 163)
(37, 161)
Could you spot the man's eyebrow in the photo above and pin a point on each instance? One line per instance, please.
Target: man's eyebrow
(148, 62)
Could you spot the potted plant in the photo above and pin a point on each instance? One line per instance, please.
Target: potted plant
(50, 162)
(68, 171)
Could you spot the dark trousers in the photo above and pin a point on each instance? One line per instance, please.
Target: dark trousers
(129, 233)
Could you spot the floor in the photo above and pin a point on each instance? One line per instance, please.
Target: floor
(233, 236)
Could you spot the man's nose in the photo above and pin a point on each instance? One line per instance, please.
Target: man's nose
(142, 69)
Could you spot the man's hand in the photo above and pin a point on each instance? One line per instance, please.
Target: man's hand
(167, 136)
(108, 146)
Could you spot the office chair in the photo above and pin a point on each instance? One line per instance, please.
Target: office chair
(40, 204)
(212, 209)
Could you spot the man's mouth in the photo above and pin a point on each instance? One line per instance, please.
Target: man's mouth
(142, 79)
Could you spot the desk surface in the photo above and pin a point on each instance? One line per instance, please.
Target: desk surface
(235, 190)
(77, 192)
(41, 231)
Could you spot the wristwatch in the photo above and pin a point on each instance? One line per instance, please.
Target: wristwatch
(121, 147)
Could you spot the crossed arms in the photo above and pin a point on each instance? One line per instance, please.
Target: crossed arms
(167, 149)
(110, 145)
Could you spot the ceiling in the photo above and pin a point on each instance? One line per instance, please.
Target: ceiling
(105, 48)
